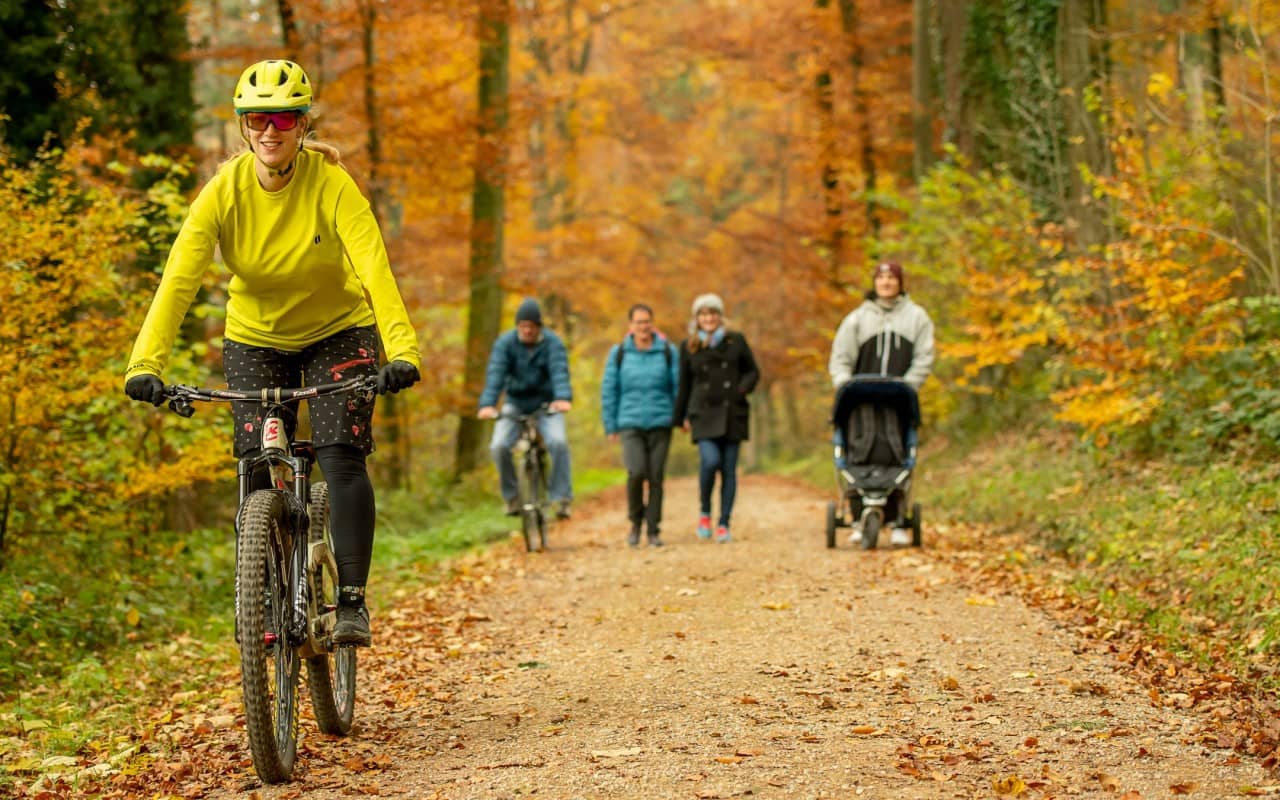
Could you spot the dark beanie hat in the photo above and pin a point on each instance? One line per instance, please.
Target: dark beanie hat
(529, 311)
(895, 268)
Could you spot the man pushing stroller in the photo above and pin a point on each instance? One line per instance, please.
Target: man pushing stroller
(888, 335)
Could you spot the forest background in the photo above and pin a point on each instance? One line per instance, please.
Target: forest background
(1084, 194)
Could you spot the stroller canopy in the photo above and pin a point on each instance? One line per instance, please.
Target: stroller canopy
(875, 418)
(894, 393)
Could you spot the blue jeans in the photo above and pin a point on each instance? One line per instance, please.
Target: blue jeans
(552, 428)
(718, 455)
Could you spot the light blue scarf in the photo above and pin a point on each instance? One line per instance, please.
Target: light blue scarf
(711, 339)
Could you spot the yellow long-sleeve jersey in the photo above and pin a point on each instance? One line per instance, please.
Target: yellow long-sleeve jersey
(301, 261)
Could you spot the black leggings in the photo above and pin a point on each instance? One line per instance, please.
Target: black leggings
(351, 509)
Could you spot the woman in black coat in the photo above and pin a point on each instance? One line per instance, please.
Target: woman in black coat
(717, 372)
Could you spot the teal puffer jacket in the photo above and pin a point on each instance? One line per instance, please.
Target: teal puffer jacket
(642, 392)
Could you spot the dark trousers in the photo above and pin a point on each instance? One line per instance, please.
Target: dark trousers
(644, 454)
(718, 455)
(351, 508)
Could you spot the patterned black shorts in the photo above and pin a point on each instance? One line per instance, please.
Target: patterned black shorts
(340, 419)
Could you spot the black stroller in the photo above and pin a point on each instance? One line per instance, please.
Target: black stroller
(875, 421)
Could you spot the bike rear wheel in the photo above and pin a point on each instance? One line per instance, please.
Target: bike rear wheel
(269, 664)
(331, 676)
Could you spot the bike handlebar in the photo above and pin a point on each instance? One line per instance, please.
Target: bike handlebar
(181, 395)
(540, 412)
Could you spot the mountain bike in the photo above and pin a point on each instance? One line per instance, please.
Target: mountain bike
(286, 598)
(532, 475)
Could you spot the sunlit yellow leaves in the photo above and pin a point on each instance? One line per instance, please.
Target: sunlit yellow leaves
(1009, 786)
(1159, 85)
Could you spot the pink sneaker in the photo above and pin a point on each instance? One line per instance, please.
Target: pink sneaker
(704, 526)
(722, 534)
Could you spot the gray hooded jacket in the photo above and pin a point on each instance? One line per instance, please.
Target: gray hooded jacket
(874, 340)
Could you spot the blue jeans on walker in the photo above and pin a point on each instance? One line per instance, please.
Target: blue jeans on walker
(552, 428)
(718, 455)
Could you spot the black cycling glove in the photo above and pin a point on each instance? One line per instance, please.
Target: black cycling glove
(396, 376)
(145, 389)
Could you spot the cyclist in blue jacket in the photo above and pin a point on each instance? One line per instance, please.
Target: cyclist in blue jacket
(637, 402)
(531, 366)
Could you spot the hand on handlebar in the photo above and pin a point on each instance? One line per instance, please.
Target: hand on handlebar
(396, 376)
(488, 412)
(145, 389)
(559, 406)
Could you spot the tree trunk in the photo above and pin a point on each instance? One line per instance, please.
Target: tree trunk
(394, 414)
(1081, 70)
(833, 230)
(953, 22)
(6, 504)
(921, 89)
(1217, 83)
(487, 208)
(288, 29)
(862, 112)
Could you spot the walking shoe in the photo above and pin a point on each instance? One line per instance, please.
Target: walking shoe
(654, 541)
(633, 538)
(513, 506)
(352, 626)
(722, 534)
(900, 537)
(704, 526)
(563, 511)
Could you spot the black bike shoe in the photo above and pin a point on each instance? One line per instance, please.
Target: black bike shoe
(513, 507)
(353, 626)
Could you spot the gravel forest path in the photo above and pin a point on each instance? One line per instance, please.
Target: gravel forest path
(770, 667)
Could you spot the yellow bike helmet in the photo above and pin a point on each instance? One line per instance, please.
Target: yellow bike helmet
(274, 85)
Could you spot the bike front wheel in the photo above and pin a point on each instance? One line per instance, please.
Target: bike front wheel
(531, 514)
(331, 676)
(269, 664)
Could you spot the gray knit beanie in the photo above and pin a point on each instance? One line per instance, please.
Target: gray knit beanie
(711, 301)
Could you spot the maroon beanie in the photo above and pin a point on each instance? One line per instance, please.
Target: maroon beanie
(895, 268)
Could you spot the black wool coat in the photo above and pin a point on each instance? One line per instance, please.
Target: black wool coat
(714, 384)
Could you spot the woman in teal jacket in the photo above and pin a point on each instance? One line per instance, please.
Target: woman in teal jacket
(637, 401)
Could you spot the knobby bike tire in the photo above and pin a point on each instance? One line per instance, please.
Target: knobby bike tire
(331, 676)
(530, 510)
(269, 670)
(540, 498)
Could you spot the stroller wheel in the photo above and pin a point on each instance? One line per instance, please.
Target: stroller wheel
(915, 525)
(870, 531)
(831, 524)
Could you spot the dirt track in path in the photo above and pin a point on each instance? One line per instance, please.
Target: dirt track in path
(770, 667)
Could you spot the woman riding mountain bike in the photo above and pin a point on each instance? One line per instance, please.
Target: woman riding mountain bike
(304, 252)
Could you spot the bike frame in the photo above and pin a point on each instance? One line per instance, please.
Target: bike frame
(289, 463)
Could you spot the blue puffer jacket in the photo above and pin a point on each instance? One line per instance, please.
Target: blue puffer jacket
(531, 375)
(642, 394)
